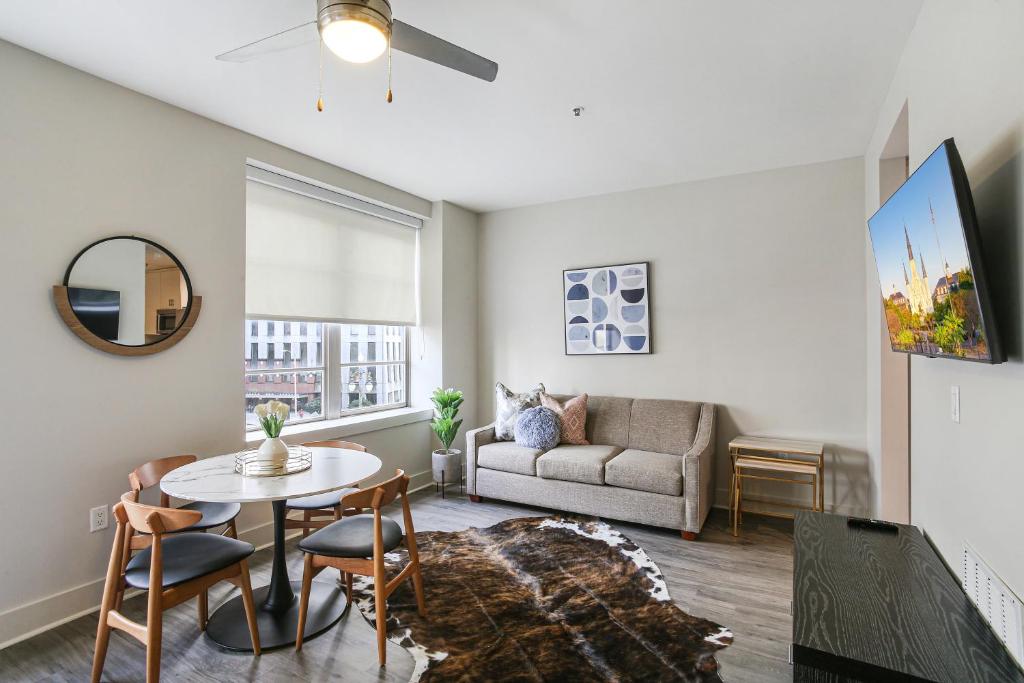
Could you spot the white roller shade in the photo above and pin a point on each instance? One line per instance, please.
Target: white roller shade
(307, 259)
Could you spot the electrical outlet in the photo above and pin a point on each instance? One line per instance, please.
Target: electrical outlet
(955, 403)
(99, 518)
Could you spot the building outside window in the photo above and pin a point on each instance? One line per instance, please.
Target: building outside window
(299, 365)
(366, 382)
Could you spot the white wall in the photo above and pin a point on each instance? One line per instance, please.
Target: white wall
(960, 76)
(448, 251)
(757, 304)
(447, 330)
(460, 309)
(893, 400)
(81, 159)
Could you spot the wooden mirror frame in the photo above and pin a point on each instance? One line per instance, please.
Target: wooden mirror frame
(67, 314)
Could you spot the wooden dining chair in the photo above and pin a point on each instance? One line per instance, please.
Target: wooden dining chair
(357, 545)
(172, 567)
(213, 514)
(322, 505)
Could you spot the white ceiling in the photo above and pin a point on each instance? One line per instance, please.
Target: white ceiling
(674, 90)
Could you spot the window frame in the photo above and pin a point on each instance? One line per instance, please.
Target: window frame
(336, 374)
(332, 368)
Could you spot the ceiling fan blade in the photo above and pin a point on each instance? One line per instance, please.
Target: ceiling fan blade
(413, 41)
(285, 40)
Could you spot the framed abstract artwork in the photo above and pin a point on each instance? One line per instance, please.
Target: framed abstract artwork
(607, 309)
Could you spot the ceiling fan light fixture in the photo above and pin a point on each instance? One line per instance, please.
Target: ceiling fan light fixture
(356, 31)
(354, 40)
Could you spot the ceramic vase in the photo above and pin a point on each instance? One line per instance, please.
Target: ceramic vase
(273, 451)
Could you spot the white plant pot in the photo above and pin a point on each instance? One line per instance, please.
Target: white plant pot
(274, 451)
(448, 462)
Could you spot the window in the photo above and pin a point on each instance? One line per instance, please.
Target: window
(326, 370)
(301, 266)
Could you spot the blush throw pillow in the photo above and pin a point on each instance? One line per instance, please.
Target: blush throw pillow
(537, 428)
(573, 416)
(508, 406)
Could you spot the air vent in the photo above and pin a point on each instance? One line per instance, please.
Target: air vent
(1000, 607)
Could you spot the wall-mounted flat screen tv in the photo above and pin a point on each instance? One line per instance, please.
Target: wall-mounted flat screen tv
(98, 309)
(928, 252)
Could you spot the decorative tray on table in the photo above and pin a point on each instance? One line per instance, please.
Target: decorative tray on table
(249, 464)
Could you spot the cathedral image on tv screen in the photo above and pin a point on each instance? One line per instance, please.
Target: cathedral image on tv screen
(928, 287)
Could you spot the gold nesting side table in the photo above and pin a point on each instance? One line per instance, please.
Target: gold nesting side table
(781, 460)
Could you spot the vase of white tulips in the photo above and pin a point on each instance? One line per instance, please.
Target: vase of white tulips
(272, 416)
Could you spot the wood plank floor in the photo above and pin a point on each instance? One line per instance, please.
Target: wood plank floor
(744, 584)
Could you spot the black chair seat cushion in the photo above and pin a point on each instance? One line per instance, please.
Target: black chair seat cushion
(351, 537)
(187, 557)
(321, 501)
(214, 514)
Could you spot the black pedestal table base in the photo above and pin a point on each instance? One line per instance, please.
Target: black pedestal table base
(277, 605)
(228, 628)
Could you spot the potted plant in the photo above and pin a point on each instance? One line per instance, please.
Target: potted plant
(272, 416)
(446, 461)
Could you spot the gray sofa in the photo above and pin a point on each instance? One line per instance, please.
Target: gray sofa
(650, 461)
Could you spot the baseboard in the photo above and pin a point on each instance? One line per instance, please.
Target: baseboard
(24, 621)
(420, 480)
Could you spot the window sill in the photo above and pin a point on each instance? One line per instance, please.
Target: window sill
(346, 426)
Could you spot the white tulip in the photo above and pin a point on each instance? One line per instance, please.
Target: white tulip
(280, 409)
(261, 410)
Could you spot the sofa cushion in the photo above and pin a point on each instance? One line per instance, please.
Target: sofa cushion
(508, 405)
(646, 471)
(508, 457)
(608, 420)
(572, 413)
(584, 464)
(538, 428)
(663, 426)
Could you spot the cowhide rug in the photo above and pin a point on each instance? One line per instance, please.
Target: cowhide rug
(544, 599)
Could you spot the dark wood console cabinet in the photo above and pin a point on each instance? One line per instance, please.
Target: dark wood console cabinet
(876, 606)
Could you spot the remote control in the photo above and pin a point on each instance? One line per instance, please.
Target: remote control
(873, 524)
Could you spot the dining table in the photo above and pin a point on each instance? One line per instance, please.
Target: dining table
(215, 480)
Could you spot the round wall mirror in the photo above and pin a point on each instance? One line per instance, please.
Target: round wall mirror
(127, 295)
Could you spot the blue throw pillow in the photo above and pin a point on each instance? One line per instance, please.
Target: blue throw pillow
(538, 428)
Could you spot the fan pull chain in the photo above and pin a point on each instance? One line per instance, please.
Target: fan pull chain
(320, 88)
(390, 96)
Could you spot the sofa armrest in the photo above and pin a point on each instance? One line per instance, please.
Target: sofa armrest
(475, 438)
(699, 471)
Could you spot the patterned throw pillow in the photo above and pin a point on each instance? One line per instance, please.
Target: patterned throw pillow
(508, 406)
(573, 415)
(538, 428)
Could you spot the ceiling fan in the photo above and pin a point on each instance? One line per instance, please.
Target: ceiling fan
(360, 31)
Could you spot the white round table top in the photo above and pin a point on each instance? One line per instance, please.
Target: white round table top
(214, 480)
